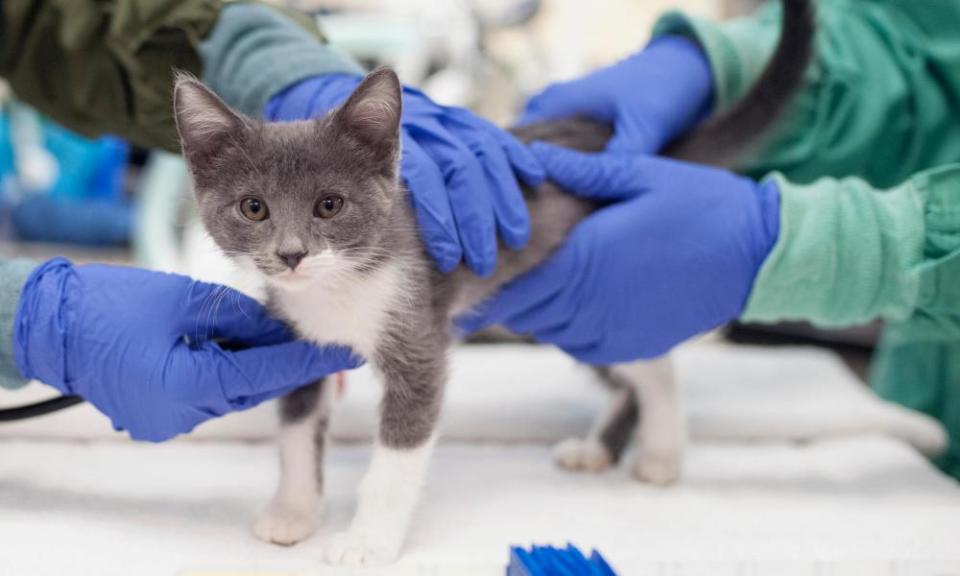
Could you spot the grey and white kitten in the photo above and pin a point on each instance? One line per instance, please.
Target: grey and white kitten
(316, 209)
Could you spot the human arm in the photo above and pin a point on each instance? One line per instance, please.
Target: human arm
(879, 104)
(157, 353)
(879, 100)
(686, 248)
(107, 67)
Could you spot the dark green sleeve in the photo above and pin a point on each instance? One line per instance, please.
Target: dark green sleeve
(106, 66)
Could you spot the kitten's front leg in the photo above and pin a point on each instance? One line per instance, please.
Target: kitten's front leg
(292, 514)
(414, 375)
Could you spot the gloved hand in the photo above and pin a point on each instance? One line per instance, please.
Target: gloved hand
(675, 254)
(140, 346)
(459, 169)
(650, 98)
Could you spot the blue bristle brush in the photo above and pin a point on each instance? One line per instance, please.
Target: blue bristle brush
(550, 561)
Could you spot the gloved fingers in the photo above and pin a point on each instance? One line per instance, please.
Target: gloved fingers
(183, 421)
(526, 294)
(431, 205)
(591, 353)
(471, 203)
(230, 315)
(311, 98)
(210, 311)
(591, 175)
(524, 163)
(510, 209)
(574, 337)
(610, 348)
(270, 371)
(578, 97)
(551, 316)
(247, 402)
(636, 134)
(562, 319)
(207, 377)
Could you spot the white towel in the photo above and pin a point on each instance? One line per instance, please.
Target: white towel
(521, 393)
(870, 504)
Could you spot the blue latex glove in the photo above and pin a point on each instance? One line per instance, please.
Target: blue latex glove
(674, 255)
(650, 98)
(459, 169)
(141, 346)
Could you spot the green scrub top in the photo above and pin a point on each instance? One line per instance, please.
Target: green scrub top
(867, 162)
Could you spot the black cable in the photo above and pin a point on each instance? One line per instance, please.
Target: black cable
(39, 408)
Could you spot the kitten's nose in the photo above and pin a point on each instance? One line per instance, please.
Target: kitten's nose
(292, 258)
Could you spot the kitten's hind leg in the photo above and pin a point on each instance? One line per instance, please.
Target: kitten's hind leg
(611, 433)
(292, 514)
(661, 437)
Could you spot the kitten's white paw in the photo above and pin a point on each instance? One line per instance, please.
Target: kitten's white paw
(660, 468)
(285, 525)
(356, 549)
(582, 454)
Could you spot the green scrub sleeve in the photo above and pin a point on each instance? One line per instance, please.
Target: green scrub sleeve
(881, 99)
(13, 274)
(849, 253)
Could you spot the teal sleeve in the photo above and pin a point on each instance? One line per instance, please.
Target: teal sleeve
(254, 52)
(849, 253)
(13, 274)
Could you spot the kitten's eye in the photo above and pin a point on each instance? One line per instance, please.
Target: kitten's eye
(254, 209)
(328, 206)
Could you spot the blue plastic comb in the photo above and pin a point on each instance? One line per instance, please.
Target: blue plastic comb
(550, 561)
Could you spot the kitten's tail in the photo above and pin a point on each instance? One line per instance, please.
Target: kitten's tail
(723, 139)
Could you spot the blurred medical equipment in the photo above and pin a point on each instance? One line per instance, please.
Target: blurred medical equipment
(57, 186)
(440, 47)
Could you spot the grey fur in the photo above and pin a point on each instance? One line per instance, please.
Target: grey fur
(620, 422)
(310, 402)
(301, 403)
(354, 152)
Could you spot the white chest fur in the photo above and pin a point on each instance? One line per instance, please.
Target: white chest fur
(348, 308)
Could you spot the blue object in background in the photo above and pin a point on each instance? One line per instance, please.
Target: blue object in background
(6, 147)
(90, 222)
(78, 199)
(550, 561)
(88, 168)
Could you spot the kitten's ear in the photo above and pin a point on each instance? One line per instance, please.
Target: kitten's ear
(372, 113)
(205, 123)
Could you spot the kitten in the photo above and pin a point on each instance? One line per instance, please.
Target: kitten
(317, 209)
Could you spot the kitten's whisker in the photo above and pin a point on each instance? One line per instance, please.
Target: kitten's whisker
(211, 312)
(204, 308)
